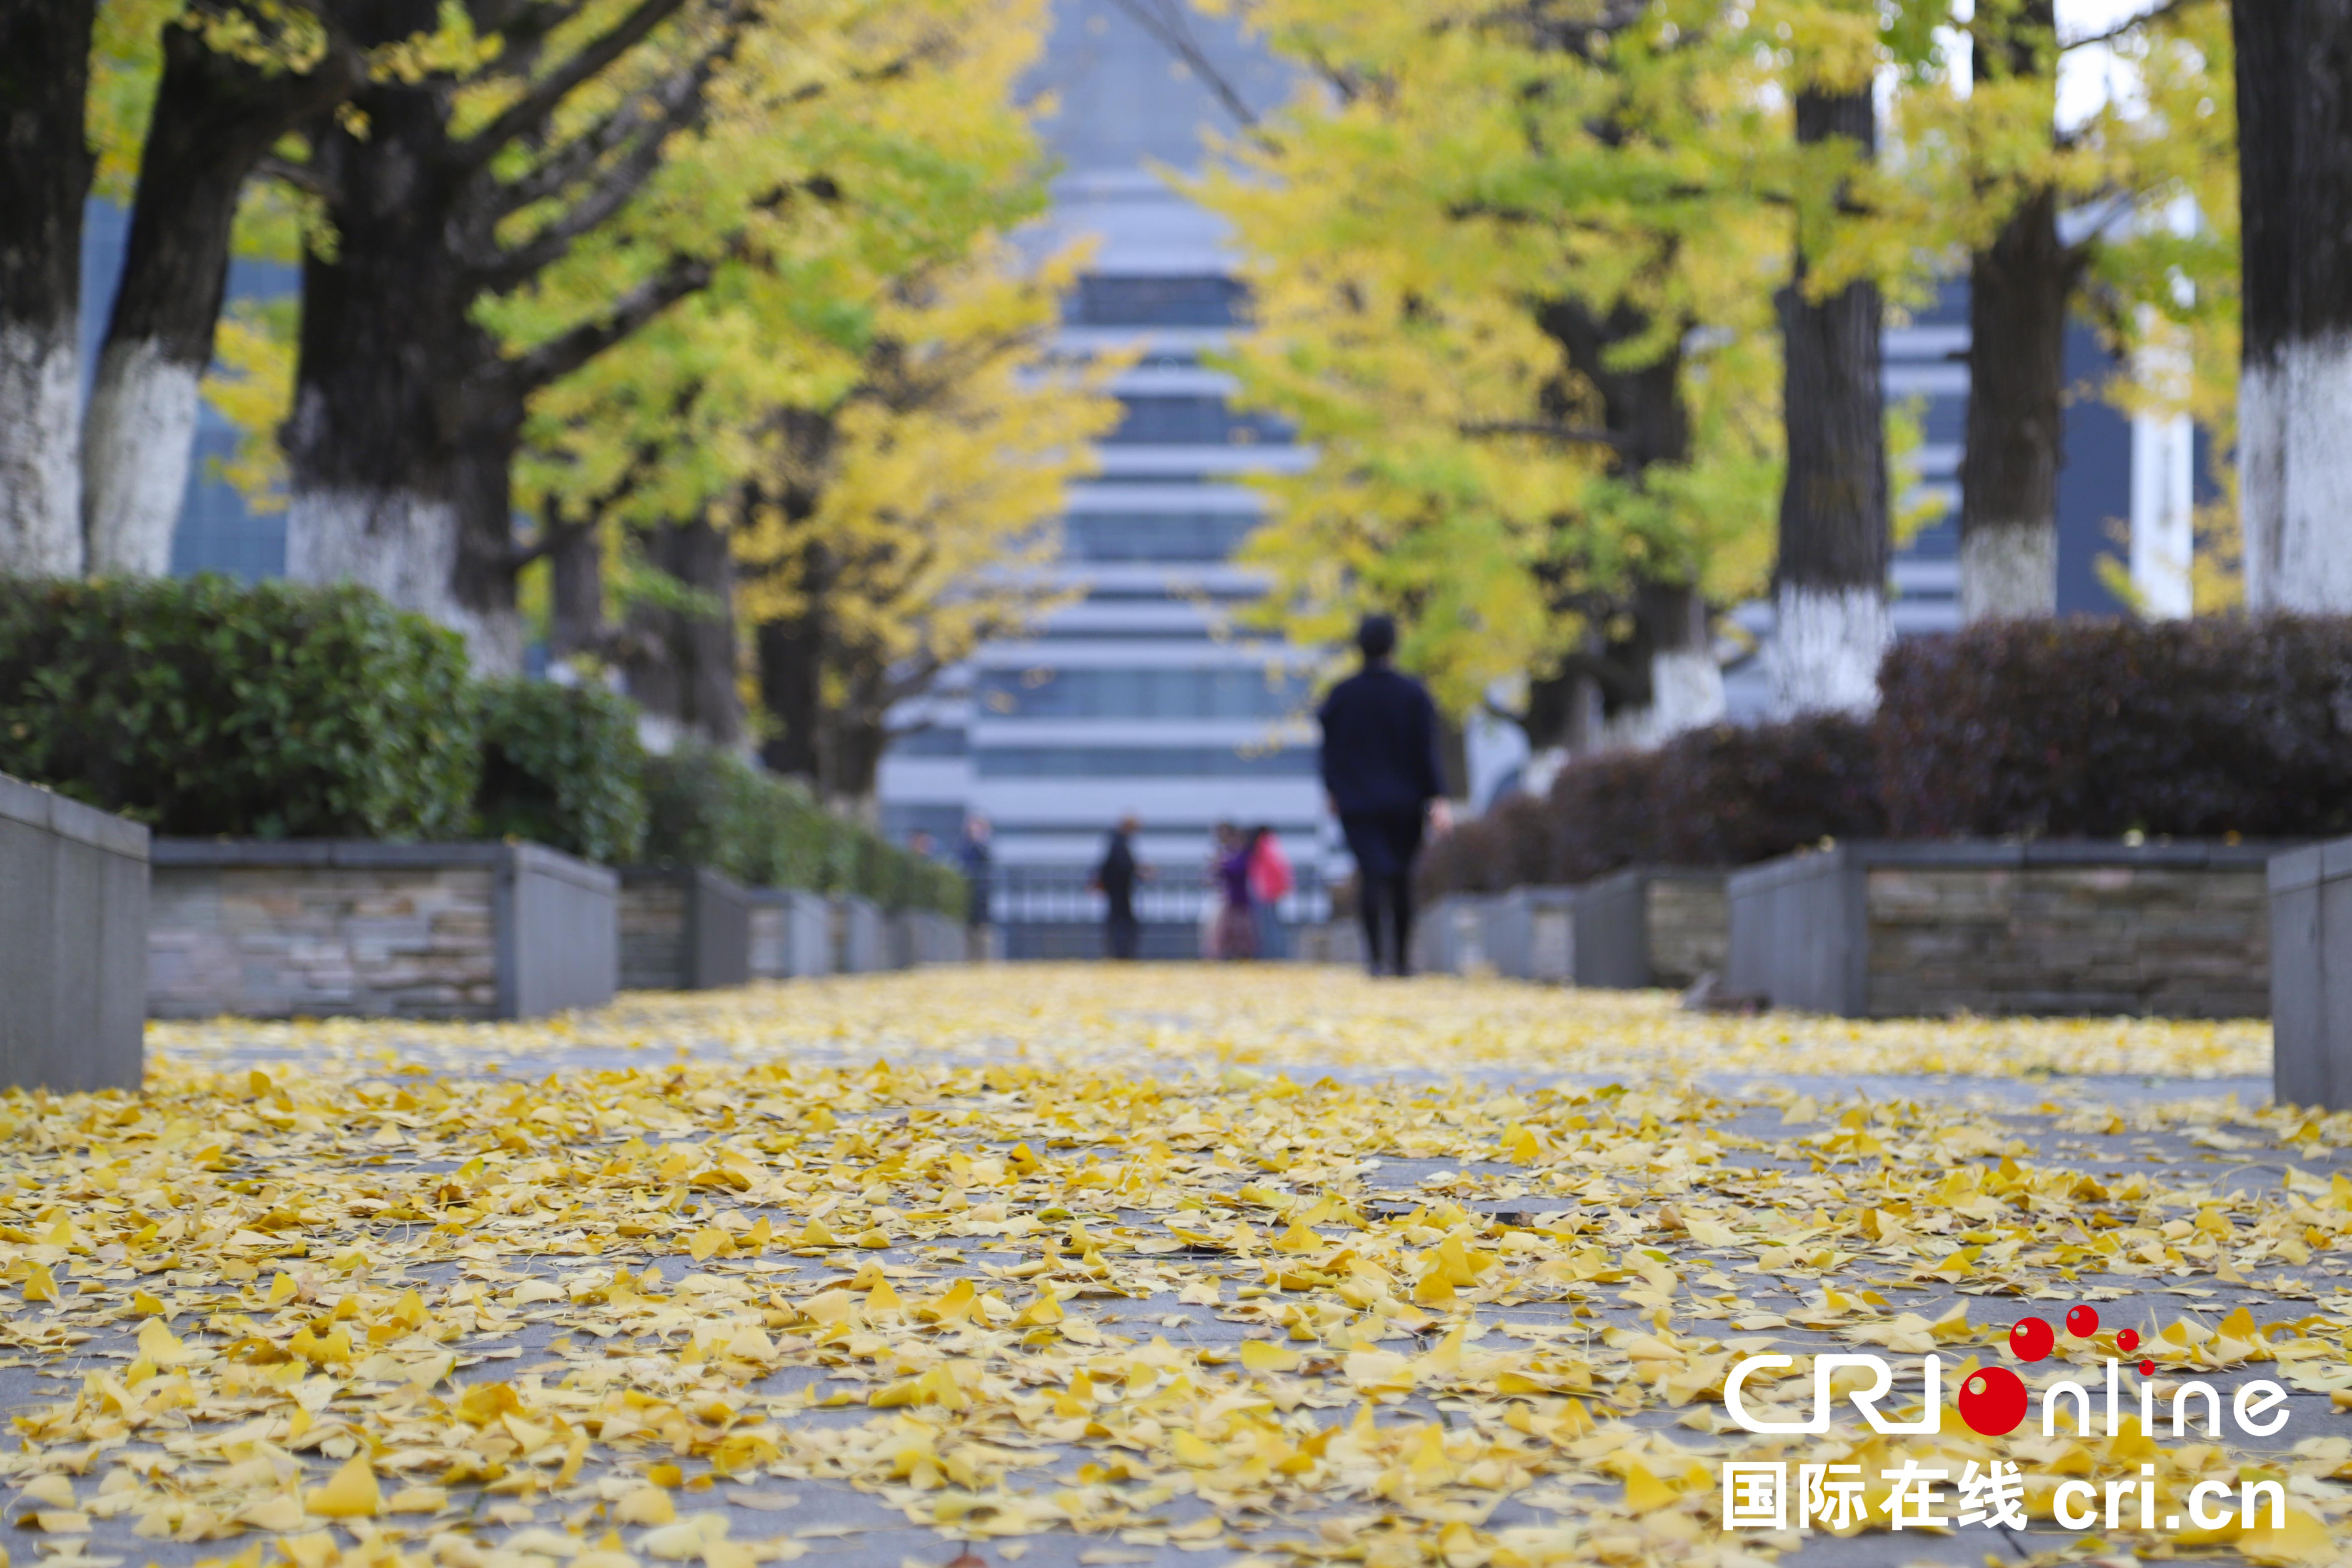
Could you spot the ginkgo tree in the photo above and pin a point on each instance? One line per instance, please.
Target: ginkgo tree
(889, 531)
(1508, 282)
(2124, 218)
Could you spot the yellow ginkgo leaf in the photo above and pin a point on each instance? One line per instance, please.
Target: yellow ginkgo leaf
(350, 1493)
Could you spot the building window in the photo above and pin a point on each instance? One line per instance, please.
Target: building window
(1156, 302)
(1155, 536)
(1140, 763)
(939, 741)
(1242, 693)
(1193, 421)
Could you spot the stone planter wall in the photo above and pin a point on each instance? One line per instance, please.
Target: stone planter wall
(683, 929)
(2310, 975)
(918, 937)
(1449, 937)
(1651, 925)
(1531, 934)
(73, 943)
(314, 927)
(861, 936)
(792, 933)
(1894, 929)
(1331, 941)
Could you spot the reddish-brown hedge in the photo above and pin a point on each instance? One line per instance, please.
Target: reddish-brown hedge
(1724, 795)
(2191, 728)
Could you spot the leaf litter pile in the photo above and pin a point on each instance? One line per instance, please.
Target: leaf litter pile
(1118, 1265)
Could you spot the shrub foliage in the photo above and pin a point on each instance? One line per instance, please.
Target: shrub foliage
(2007, 730)
(203, 707)
(2194, 729)
(1725, 795)
(709, 807)
(561, 765)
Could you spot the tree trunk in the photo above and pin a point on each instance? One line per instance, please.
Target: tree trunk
(2019, 289)
(1686, 683)
(399, 450)
(575, 572)
(1679, 686)
(215, 116)
(1830, 584)
(2018, 293)
(45, 169)
(681, 663)
(791, 656)
(2295, 391)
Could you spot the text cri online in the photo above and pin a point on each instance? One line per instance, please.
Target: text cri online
(1758, 1495)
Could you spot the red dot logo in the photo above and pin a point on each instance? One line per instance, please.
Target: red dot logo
(1992, 1400)
(2030, 1340)
(2081, 1322)
(2147, 1369)
(2127, 1340)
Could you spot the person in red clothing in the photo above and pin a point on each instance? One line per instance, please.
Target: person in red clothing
(1381, 769)
(1269, 881)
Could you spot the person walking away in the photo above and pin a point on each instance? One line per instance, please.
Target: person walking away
(1381, 769)
(1115, 879)
(975, 860)
(1269, 881)
(1236, 934)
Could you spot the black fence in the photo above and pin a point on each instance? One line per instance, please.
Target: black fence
(1049, 912)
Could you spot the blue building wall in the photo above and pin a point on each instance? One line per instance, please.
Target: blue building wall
(2095, 481)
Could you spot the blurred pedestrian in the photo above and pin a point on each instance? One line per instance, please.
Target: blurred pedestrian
(975, 859)
(1235, 934)
(1269, 882)
(1382, 771)
(1116, 878)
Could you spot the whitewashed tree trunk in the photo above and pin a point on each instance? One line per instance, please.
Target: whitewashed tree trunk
(45, 169)
(1826, 648)
(403, 545)
(137, 440)
(1830, 583)
(2009, 571)
(2294, 387)
(2294, 455)
(40, 451)
(1686, 690)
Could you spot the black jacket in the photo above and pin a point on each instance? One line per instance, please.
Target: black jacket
(1380, 743)
(1116, 875)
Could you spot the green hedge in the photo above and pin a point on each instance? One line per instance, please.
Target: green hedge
(203, 707)
(562, 766)
(206, 708)
(709, 807)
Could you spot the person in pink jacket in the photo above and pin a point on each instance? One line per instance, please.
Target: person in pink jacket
(1269, 879)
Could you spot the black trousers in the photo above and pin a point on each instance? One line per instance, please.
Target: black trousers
(1126, 933)
(1385, 844)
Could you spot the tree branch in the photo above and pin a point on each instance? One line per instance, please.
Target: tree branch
(1167, 27)
(567, 352)
(301, 176)
(1563, 435)
(539, 102)
(503, 270)
(2108, 36)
